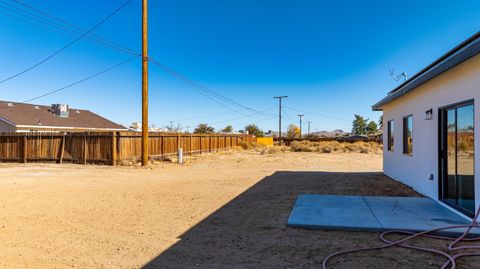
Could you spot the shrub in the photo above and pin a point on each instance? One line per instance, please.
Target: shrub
(335, 146)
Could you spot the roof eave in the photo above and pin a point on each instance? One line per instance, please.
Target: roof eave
(458, 55)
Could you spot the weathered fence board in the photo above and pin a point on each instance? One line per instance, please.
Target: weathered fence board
(106, 148)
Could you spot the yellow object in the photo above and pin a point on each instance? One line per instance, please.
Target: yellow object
(267, 141)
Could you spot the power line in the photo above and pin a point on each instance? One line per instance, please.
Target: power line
(73, 29)
(69, 44)
(68, 27)
(241, 117)
(316, 114)
(82, 80)
(205, 91)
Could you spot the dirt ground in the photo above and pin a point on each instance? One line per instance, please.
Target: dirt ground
(224, 210)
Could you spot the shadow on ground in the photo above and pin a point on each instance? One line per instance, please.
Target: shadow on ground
(250, 231)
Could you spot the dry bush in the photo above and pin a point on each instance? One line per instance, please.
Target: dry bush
(250, 145)
(335, 146)
(304, 146)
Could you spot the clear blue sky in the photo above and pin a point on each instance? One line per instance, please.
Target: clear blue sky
(330, 57)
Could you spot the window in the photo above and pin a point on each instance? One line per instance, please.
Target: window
(390, 135)
(407, 135)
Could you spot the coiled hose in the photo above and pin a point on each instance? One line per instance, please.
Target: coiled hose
(468, 250)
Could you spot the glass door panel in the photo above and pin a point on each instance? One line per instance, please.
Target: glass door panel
(457, 158)
(451, 186)
(465, 158)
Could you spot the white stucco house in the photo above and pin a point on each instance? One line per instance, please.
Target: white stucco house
(432, 129)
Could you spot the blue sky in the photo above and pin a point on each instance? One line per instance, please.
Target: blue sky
(331, 58)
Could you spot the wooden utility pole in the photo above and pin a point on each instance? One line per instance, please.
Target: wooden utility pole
(280, 116)
(144, 82)
(300, 116)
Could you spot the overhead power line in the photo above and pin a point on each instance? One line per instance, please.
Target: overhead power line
(55, 23)
(316, 114)
(69, 27)
(69, 44)
(82, 80)
(205, 91)
(242, 117)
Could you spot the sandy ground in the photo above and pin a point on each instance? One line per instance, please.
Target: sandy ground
(225, 210)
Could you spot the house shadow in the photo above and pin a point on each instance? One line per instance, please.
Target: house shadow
(250, 231)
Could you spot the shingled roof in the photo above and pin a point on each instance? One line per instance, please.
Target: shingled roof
(22, 115)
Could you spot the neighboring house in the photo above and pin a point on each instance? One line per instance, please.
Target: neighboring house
(21, 117)
(431, 123)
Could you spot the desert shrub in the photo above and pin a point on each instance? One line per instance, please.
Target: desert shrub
(250, 145)
(335, 146)
(245, 145)
(305, 146)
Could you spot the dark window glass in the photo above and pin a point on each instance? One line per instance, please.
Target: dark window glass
(390, 137)
(407, 135)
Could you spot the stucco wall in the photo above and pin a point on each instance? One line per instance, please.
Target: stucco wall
(458, 84)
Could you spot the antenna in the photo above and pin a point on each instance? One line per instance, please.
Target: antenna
(398, 77)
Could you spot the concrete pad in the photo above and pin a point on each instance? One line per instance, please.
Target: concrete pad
(332, 212)
(372, 213)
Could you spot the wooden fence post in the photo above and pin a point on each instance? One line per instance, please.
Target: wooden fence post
(114, 148)
(25, 152)
(163, 145)
(179, 144)
(85, 150)
(62, 149)
(191, 143)
(210, 143)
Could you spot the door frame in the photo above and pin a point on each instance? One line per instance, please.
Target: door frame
(442, 154)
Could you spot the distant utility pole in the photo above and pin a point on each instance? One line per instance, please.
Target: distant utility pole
(300, 116)
(280, 116)
(309, 126)
(144, 82)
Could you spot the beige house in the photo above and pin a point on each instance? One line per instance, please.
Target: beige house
(21, 117)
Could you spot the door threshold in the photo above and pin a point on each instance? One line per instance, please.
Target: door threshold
(454, 210)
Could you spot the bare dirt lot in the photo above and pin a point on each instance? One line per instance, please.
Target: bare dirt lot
(225, 210)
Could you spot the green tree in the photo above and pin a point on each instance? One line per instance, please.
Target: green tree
(227, 129)
(253, 129)
(293, 131)
(203, 128)
(359, 125)
(380, 122)
(372, 127)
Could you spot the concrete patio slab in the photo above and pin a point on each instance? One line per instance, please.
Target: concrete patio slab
(372, 213)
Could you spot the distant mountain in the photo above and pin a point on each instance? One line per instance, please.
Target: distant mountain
(334, 133)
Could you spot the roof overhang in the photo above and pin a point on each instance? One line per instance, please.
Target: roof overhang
(461, 53)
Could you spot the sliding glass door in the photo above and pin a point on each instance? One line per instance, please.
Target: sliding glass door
(457, 157)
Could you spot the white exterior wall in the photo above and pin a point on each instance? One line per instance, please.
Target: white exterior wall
(461, 83)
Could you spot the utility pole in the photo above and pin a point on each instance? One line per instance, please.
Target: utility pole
(144, 82)
(280, 116)
(309, 127)
(300, 116)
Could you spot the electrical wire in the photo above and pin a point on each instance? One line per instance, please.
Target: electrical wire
(316, 114)
(72, 29)
(66, 27)
(201, 88)
(68, 44)
(79, 81)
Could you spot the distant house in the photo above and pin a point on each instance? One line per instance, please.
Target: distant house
(21, 117)
(429, 129)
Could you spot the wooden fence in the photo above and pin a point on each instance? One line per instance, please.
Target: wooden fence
(107, 148)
